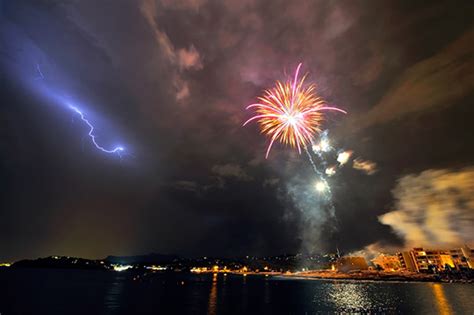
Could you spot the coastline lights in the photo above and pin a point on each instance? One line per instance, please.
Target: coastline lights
(121, 267)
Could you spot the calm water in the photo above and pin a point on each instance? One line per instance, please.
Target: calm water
(98, 292)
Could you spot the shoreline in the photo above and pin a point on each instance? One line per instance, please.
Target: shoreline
(373, 276)
(355, 276)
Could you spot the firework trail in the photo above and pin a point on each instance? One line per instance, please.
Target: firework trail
(292, 113)
(322, 185)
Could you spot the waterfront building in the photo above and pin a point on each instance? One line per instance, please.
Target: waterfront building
(463, 257)
(387, 262)
(425, 260)
(407, 261)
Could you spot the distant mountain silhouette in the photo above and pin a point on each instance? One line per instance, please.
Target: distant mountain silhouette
(152, 258)
(59, 262)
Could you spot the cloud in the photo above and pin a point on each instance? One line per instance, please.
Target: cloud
(184, 59)
(366, 166)
(183, 4)
(231, 170)
(148, 9)
(181, 87)
(371, 68)
(189, 58)
(338, 21)
(142, 58)
(434, 82)
(268, 182)
(434, 208)
(371, 251)
(186, 185)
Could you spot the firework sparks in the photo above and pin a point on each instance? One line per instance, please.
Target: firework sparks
(330, 171)
(324, 145)
(343, 157)
(366, 166)
(320, 186)
(290, 113)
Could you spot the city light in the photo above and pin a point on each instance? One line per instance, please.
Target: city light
(121, 267)
(156, 268)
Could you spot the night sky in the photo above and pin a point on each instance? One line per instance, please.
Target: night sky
(169, 81)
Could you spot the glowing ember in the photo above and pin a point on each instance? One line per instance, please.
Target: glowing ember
(320, 186)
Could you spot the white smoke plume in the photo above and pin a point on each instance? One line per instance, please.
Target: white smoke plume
(371, 251)
(434, 208)
(316, 212)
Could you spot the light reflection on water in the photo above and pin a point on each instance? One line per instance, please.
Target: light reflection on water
(58, 292)
(212, 304)
(350, 296)
(113, 296)
(444, 308)
(266, 293)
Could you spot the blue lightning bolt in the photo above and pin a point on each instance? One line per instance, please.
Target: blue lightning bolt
(117, 150)
(40, 72)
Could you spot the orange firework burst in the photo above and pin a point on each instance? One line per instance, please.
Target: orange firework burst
(290, 113)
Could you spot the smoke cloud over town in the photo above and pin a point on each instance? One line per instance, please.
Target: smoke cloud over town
(434, 208)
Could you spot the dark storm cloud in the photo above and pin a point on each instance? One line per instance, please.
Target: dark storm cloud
(231, 170)
(440, 80)
(172, 78)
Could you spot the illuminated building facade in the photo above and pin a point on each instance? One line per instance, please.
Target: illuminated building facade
(387, 262)
(407, 261)
(463, 257)
(424, 260)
